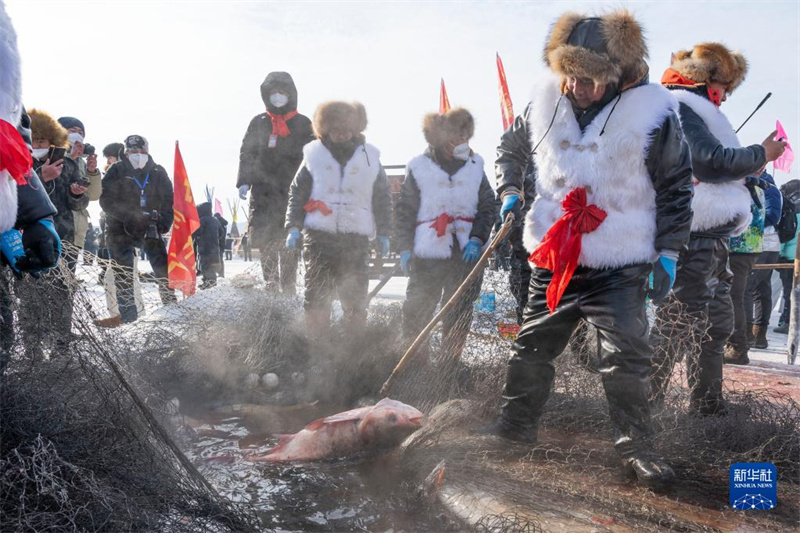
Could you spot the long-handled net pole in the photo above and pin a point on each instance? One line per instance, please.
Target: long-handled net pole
(425, 333)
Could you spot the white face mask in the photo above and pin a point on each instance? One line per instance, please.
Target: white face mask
(461, 151)
(138, 160)
(40, 153)
(75, 138)
(278, 99)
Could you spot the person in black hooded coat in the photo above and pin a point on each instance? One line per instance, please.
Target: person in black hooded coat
(206, 244)
(271, 153)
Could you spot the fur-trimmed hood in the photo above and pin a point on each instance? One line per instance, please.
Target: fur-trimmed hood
(45, 127)
(711, 62)
(608, 49)
(439, 129)
(339, 115)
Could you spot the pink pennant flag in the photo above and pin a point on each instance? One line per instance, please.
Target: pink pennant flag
(217, 206)
(784, 162)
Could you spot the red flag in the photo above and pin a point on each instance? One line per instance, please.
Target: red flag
(444, 102)
(181, 266)
(506, 108)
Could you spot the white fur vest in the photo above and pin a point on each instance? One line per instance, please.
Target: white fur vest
(454, 198)
(8, 201)
(715, 204)
(346, 191)
(611, 167)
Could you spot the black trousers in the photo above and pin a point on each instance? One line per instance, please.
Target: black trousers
(613, 301)
(703, 287)
(519, 277)
(122, 253)
(786, 275)
(759, 290)
(432, 281)
(279, 266)
(336, 265)
(741, 266)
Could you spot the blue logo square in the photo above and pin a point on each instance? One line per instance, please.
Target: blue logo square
(753, 486)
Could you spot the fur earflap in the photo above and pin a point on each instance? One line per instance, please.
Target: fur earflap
(440, 129)
(339, 115)
(45, 127)
(606, 49)
(711, 62)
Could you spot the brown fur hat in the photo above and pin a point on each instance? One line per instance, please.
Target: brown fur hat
(439, 129)
(607, 49)
(711, 62)
(45, 127)
(339, 115)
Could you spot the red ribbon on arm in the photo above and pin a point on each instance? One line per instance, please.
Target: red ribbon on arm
(317, 205)
(560, 249)
(279, 126)
(14, 154)
(441, 223)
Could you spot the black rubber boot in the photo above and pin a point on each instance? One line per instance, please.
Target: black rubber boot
(782, 327)
(705, 380)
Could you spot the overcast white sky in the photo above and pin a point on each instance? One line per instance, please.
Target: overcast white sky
(191, 70)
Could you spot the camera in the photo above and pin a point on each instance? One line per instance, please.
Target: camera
(152, 229)
(88, 149)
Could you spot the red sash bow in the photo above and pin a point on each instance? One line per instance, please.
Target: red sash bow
(561, 247)
(441, 222)
(279, 126)
(317, 205)
(14, 154)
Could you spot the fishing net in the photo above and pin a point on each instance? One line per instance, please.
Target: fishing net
(83, 444)
(91, 438)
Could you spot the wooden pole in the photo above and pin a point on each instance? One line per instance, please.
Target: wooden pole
(425, 333)
(794, 320)
(384, 280)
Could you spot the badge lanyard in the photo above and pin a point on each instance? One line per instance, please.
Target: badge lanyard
(143, 197)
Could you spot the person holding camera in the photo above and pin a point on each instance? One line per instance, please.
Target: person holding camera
(137, 200)
(64, 184)
(84, 156)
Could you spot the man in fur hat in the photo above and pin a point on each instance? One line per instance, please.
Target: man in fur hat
(271, 153)
(701, 79)
(340, 199)
(613, 196)
(445, 215)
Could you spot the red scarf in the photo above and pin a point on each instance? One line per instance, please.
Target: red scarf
(279, 126)
(675, 78)
(14, 154)
(561, 247)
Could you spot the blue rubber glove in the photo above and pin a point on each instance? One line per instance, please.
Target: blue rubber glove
(472, 251)
(509, 203)
(664, 271)
(11, 248)
(292, 238)
(405, 257)
(384, 246)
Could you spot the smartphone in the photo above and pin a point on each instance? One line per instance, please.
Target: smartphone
(83, 182)
(55, 154)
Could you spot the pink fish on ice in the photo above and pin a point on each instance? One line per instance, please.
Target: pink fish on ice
(382, 425)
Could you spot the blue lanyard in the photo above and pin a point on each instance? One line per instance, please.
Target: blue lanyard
(142, 185)
(143, 197)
